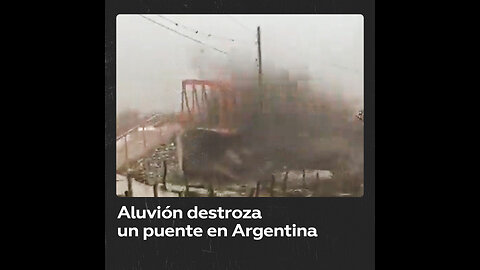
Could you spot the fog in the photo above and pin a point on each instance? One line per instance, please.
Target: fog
(152, 61)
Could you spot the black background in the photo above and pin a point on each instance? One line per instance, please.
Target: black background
(346, 226)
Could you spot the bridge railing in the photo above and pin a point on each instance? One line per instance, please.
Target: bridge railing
(154, 120)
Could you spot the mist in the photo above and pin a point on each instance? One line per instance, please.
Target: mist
(298, 115)
(152, 61)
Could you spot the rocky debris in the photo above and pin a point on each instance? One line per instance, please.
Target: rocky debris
(233, 172)
(149, 170)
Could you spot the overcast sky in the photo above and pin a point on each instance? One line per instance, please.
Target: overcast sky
(152, 61)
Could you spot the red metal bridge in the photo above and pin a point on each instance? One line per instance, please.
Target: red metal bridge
(216, 99)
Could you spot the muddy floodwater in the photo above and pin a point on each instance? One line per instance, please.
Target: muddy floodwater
(145, 173)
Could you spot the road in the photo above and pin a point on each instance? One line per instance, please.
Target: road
(139, 189)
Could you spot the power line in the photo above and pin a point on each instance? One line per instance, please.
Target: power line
(196, 31)
(241, 24)
(181, 34)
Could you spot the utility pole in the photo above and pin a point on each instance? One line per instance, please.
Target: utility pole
(259, 52)
(260, 68)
